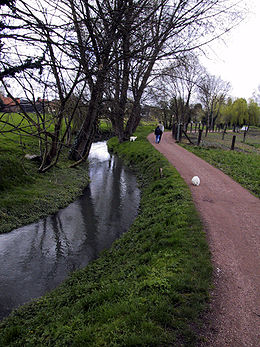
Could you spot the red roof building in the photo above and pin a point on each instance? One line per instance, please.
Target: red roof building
(9, 104)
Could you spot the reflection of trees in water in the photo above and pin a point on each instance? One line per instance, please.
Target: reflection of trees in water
(36, 258)
(119, 200)
(89, 248)
(114, 210)
(41, 255)
(113, 199)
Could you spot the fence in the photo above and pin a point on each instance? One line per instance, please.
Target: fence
(194, 132)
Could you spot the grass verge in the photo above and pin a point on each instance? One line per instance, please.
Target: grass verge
(242, 163)
(149, 289)
(244, 168)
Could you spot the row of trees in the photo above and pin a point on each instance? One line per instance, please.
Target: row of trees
(239, 112)
(186, 92)
(99, 53)
(178, 86)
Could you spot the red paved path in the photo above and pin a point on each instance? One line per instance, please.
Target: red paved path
(231, 217)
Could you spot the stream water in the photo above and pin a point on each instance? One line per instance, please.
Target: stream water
(36, 258)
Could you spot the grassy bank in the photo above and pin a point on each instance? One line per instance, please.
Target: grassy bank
(27, 195)
(149, 289)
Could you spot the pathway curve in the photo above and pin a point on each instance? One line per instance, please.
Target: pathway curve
(231, 217)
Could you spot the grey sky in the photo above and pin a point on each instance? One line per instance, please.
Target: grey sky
(238, 59)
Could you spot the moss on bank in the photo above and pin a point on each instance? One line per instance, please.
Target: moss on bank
(149, 289)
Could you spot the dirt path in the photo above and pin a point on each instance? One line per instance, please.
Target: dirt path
(231, 217)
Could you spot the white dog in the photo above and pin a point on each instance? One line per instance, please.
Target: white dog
(195, 181)
(133, 138)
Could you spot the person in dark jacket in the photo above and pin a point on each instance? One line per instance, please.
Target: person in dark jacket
(158, 134)
(160, 125)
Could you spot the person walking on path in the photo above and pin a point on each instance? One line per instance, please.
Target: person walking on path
(158, 134)
(161, 126)
(231, 219)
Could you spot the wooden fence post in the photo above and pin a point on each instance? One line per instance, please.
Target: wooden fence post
(199, 138)
(233, 142)
(224, 131)
(244, 136)
(173, 130)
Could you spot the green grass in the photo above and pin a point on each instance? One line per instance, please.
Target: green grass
(149, 289)
(242, 164)
(27, 195)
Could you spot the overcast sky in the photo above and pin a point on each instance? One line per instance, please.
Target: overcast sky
(238, 59)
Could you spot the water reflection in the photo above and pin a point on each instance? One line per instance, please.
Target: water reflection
(36, 258)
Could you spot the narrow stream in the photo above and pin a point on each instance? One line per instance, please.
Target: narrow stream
(36, 258)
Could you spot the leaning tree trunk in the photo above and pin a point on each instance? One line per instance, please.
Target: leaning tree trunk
(121, 87)
(81, 146)
(133, 120)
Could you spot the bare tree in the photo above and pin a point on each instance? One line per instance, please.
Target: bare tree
(135, 26)
(34, 41)
(176, 85)
(97, 25)
(93, 44)
(168, 32)
(8, 29)
(212, 92)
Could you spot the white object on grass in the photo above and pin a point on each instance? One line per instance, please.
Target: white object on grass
(133, 138)
(195, 181)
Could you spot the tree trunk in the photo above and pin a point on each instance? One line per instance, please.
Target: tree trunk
(133, 120)
(81, 146)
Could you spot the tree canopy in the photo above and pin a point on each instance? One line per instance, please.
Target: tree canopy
(104, 53)
(240, 112)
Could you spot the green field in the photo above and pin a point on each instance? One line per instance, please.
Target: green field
(249, 144)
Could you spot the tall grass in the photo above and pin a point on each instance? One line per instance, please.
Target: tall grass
(149, 289)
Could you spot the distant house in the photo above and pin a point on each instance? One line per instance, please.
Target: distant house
(22, 104)
(8, 104)
(26, 105)
(30, 106)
